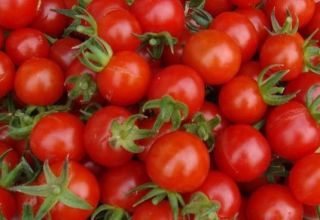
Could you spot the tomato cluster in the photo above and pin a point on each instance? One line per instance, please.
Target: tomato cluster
(159, 109)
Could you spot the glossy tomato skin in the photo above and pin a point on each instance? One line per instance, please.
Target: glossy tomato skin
(251, 68)
(304, 180)
(63, 53)
(11, 159)
(285, 50)
(1, 38)
(57, 136)
(17, 14)
(241, 102)
(116, 183)
(147, 210)
(117, 27)
(314, 23)
(49, 21)
(160, 15)
(180, 82)
(246, 141)
(222, 189)
(215, 7)
(7, 73)
(25, 43)
(273, 201)
(125, 80)
(100, 8)
(82, 183)
(7, 204)
(214, 55)
(178, 161)
(245, 3)
(39, 81)
(97, 134)
(240, 29)
(292, 132)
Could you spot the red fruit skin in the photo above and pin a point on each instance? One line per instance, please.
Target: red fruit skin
(7, 74)
(215, 7)
(314, 24)
(7, 204)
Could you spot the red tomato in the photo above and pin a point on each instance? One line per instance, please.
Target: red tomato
(292, 132)
(97, 134)
(1, 38)
(24, 199)
(39, 81)
(16, 13)
(7, 204)
(11, 159)
(116, 183)
(182, 83)
(125, 80)
(7, 73)
(273, 202)
(310, 212)
(314, 24)
(215, 7)
(77, 68)
(245, 3)
(240, 29)
(25, 43)
(49, 21)
(160, 15)
(243, 209)
(214, 55)
(178, 161)
(70, 3)
(57, 136)
(147, 210)
(251, 69)
(242, 152)
(304, 180)
(100, 8)
(222, 189)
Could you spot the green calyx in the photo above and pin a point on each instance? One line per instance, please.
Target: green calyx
(124, 134)
(157, 194)
(203, 128)
(88, 110)
(130, 2)
(270, 92)
(311, 51)
(313, 104)
(55, 190)
(155, 43)
(27, 213)
(277, 169)
(287, 27)
(201, 207)
(84, 86)
(318, 210)
(170, 111)
(197, 18)
(108, 212)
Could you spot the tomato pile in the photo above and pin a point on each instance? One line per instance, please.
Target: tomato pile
(159, 109)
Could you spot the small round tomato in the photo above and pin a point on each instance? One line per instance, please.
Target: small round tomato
(116, 183)
(11, 159)
(245, 3)
(7, 204)
(39, 81)
(182, 83)
(242, 152)
(251, 69)
(214, 55)
(16, 13)
(57, 136)
(304, 180)
(178, 161)
(243, 209)
(100, 8)
(24, 199)
(292, 132)
(240, 29)
(147, 210)
(222, 189)
(7, 73)
(160, 15)
(1, 38)
(314, 24)
(215, 7)
(125, 80)
(273, 202)
(25, 43)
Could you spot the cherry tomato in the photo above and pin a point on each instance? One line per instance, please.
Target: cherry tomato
(7, 204)
(310, 212)
(125, 80)
(1, 38)
(251, 69)
(7, 73)
(11, 159)
(214, 55)
(178, 161)
(273, 202)
(245, 3)
(242, 152)
(16, 13)
(39, 81)
(100, 8)
(292, 132)
(314, 24)
(243, 209)
(25, 43)
(304, 180)
(215, 7)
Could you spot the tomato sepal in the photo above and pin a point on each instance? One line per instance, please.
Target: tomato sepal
(84, 86)
(108, 212)
(313, 105)
(287, 27)
(311, 50)
(277, 169)
(197, 18)
(27, 213)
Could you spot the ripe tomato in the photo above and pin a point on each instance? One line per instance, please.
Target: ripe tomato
(214, 55)
(7, 204)
(39, 81)
(57, 136)
(215, 7)
(70, 3)
(25, 43)
(314, 24)
(100, 8)
(245, 3)
(273, 202)
(243, 209)
(160, 15)
(292, 132)
(251, 68)
(24, 199)
(16, 13)
(1, 38)
(242, 152)
(178, 161)
(304, 180)
(125, 80)
(222, 189)
(310, 212)
(7, 73)
(11, 159)
(116, 183)
(182, 83)
(240, 29)
(147, 210)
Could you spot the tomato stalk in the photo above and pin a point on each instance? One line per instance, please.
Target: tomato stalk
(311, 51)
(197, 18)
(287, 27)
(313, 105)
(84, 86)
(276, 169)
(108, 212)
